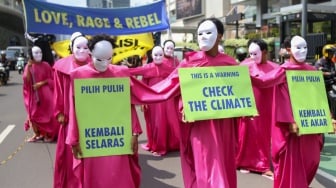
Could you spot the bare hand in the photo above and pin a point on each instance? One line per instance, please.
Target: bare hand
(30, 63)
(184, 118)
(76, 151)
(37, 85)
(144, 107)
(61, 118)
(334, 125)
(134, 143)
(293, 128)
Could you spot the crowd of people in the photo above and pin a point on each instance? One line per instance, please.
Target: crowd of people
(211, 150)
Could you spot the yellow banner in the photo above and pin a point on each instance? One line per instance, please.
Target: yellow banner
(127, 46)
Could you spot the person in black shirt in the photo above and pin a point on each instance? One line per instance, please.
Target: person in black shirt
(327, 66)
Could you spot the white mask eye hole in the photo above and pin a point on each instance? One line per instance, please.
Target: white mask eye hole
(80, 47)
(102, 60)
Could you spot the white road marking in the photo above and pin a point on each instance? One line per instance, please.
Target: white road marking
(6, 132)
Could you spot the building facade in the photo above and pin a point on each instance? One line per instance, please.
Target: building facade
(108, 3)
(12, 25)
(313, 19)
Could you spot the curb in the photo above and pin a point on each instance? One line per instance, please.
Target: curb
(325, 178)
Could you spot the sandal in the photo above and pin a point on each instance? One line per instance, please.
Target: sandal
(48, 139)
(156, 154)
(244, 171)
(268, 174)
(145, 147)
(35, 138)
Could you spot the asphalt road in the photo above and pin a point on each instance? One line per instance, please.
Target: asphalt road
(30, 165)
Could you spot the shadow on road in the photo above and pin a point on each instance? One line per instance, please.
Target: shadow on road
(152, 175)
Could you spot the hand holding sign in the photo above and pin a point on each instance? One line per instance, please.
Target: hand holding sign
(76, 151)
(294, 128)
(334, 125)
(135, 143)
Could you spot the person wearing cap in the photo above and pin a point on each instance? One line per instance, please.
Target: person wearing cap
(63, 173)
(327, 66)
(241, 54)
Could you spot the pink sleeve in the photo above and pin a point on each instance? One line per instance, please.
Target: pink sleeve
(284, 113)
(58, 97)
(145, 71)
(270, 79)
(136, 127)
(73, 134)
(163, 90)
(26, 88)
(137, 71)
(50, 77)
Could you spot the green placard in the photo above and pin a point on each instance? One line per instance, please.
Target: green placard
(103, 112)
(216, 92)
(309, 101)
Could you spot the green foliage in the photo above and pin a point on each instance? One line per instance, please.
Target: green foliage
(191, 45)
(231, 44)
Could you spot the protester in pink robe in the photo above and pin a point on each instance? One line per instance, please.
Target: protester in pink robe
(109, 171)
(37, 89)
(295, 158)
(162, 122)
(168, 49)
(207, 147)
(254, 134)
(63, 172)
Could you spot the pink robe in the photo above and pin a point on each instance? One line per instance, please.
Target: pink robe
(111, 171)
(63, 173)
(207, 147)
(295, 158)
(38, 103)
(162, 123)
(171, 61)
(254, 134)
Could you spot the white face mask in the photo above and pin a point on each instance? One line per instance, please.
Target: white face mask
(80, 49)
(255, 53)
(299, 49)
(102, 55)
(73, 36)
(207, 35)
(157, 55)
(169, 49)
(37, 54)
